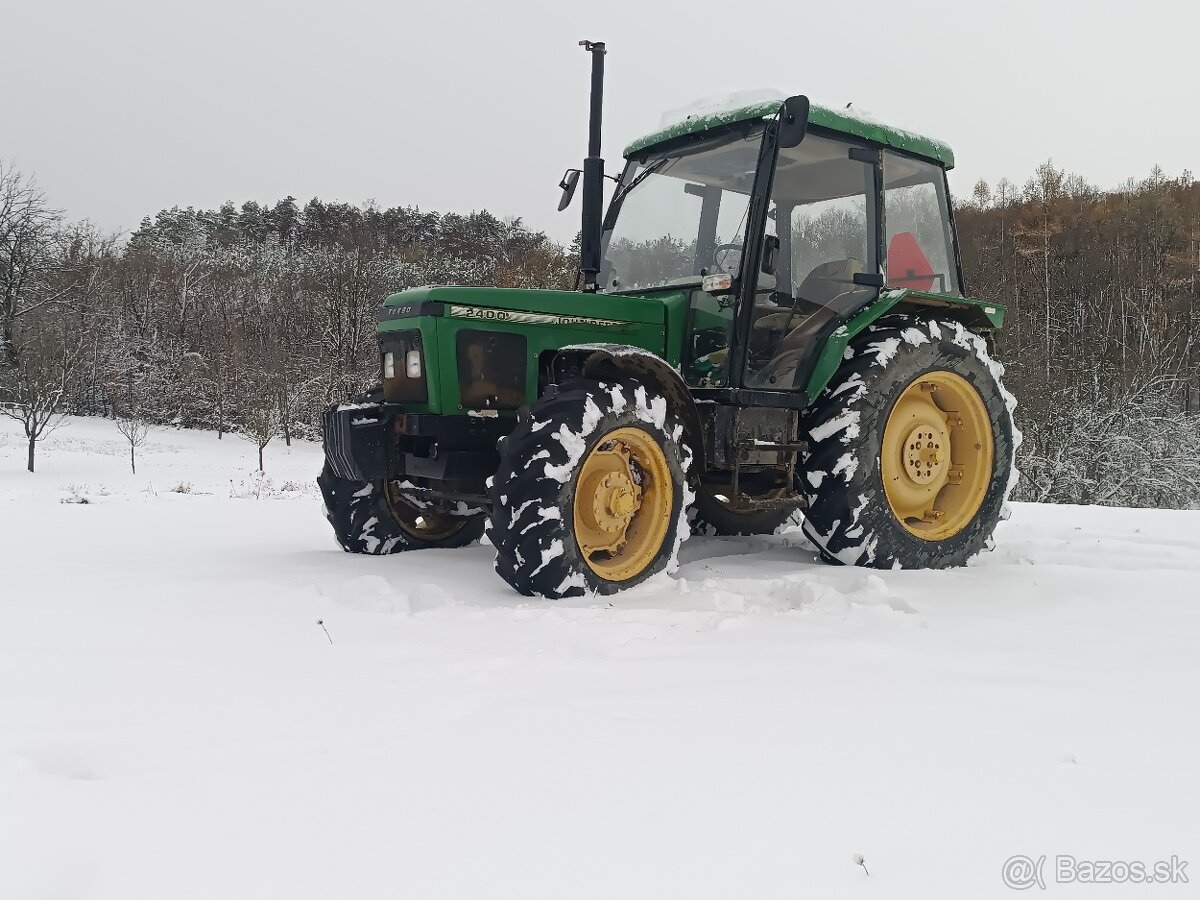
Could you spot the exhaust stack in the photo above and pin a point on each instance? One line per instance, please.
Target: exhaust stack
(593, 175)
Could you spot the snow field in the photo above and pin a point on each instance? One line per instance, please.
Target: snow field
(173, 721)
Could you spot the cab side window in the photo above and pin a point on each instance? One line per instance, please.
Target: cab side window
(916, 214)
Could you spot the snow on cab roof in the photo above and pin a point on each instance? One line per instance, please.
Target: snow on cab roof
(745, 105)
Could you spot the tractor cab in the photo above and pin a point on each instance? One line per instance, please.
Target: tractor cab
(777, 244)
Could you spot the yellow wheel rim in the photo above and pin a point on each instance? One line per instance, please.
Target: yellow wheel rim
(624, 497)
(422, 521)
(937, 455)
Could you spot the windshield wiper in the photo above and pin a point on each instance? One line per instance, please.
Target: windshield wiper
(649, 170)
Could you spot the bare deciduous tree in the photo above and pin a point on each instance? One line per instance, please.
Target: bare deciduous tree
(27, 227)
(259, 420)
(135, 429)
(32, 391)
(34, 365)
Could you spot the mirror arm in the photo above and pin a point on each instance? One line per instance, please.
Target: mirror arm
(567, 182)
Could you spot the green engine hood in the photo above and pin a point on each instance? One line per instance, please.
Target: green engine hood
(639, 310)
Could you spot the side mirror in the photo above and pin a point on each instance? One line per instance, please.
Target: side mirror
(793, 121)
(568, 183)
(770, 256)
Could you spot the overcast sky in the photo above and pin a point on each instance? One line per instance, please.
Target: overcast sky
(124, 107)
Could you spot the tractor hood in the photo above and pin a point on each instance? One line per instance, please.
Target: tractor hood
(491, 304)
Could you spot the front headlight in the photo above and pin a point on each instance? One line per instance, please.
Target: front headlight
(412, 364)
(404, 367)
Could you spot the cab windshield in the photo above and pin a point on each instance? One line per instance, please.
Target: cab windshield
(681, 216)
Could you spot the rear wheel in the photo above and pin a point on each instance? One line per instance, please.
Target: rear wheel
(910, 449)
(590, 492)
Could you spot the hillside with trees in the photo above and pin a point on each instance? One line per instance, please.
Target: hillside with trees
(1100, 340)
(251, 319)
(247, 319)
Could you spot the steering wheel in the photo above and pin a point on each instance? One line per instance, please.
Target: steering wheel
(721, 257)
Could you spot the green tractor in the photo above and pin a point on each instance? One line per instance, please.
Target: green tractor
(772, 321)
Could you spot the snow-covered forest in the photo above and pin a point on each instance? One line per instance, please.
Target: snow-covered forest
(1101, 337)
(251, 318)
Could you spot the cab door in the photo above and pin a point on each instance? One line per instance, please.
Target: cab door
(821, 258)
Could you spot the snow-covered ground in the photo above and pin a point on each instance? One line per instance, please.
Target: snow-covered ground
(175, 723)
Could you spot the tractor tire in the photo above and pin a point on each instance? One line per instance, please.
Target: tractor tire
(711, 516)
(379, 519)
(590, 492)
(910, 449)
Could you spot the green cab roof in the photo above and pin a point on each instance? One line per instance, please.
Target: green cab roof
(841, 121)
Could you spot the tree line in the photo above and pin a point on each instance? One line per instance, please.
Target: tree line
(1102, 337)
(248, 319)
(252, 319)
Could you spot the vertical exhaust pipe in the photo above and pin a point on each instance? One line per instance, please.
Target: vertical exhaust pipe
(593, 175)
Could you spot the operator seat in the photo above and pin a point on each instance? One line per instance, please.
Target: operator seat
(829, 281)
(829, 290)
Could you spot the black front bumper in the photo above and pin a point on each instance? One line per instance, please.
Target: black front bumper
(371, 442)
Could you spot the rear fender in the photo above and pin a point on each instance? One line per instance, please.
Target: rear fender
(983, 317)
(621, 360)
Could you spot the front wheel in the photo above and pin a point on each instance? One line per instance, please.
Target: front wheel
(590, 491)
(910, 449)
(384, 518)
